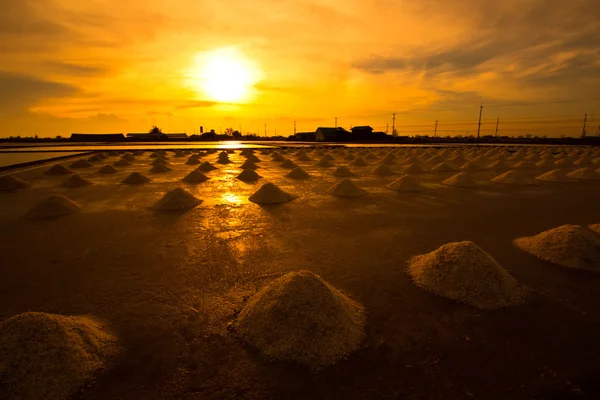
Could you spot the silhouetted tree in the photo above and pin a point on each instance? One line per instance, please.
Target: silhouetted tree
(155, 131)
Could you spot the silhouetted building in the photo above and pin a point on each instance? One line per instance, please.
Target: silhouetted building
(361, 132)
(157, 136)
(97, 137)
(305, 136)
(323, 134)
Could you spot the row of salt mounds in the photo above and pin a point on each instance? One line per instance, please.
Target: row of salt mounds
(464, 272)
(52, 207)
(346, 188)
(46, 356)
(512, 178)
(569, 246)
(177, 199)
(407, 183)
(9, 183)
(135, 178)
(269, 193)
(462, 179)
(300, 317)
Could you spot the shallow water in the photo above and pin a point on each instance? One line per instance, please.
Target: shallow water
(8, 159)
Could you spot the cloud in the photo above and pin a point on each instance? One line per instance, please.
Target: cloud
(72, 69)
(198, 104)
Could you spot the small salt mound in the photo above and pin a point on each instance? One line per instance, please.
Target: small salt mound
(270, 194)
(435, 160)
(80, 164)
(177, 199)
(249, 165)
(584, 173)
(462, 179)
(346, 188)
(223, 154)
(388, 161)
(358, 162)
(160, 169)
(443, 167)
(278, 157)
(9, 183)
(58, 170)
(288, 164)
(193, 160)
(472, 166)
(253, 158)
(569, 246)
(413, 169)
(138, 153)
(298, 173)
(179, 154)
(47, 356)
(75, 181)
(224, 160)
(383, 170)
(206, 167)
(248, 175)
(464, 272)
(303, 157)
(94, 159)
(153, 155)
(349, 157)
(128, 157)
(546, 163)
(524, 165)
(371, 157)
(343, 172)
(564, 163)
(300, 317)
(201, 154)
(407, 183)
(499, 165)
(512, 178)
(135, 178)
(107, 169)
(195, 177)
(323, 162)
(582, 162)
(122, 163)
(328, 157)
(555, 176)
(159, 161)
(54, 206)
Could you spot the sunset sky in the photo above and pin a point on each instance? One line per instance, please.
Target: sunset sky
(123, 66)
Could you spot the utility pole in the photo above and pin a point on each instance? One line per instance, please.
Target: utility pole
(497, 123)
(435, 130)
(294, 127)
(584, 125)
(336, 122)
(387, 124)
(393, 123)
(265, 130)
(479, 124)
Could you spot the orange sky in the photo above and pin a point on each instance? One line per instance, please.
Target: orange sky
(122, 66)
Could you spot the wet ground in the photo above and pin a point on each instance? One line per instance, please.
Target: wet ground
(169, 284)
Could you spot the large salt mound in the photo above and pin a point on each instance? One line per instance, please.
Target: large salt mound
(346, 188)
(135, 178)
(122, 163)
(300, 317)
(107, 169)
(464, 272)
(407, 183)
(569, 246)
(195, 177)
(248, 175)
(383, 170)
(58, 170)
(75, 181)
(555, 176)
(46, 356)
(80, 164)
(288, 164)
(270, 194)
(159, 169)
(54, 206)
(9, 183)
(249, 165)
(206, 167)
(343, 172)
(462, 179)
(177, 199)
(358, 162)
(584, 173)
(512, 178)
(443, 167)
(298, 173)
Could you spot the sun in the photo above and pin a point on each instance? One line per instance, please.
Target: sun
(223, 75)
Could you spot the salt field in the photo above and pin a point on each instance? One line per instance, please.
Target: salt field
(300, 273)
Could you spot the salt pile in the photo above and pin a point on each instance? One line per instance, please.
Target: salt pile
(524, 165)
(464, 272)
(546, 163)
(206, 167)
(177, 199)
(512, 178)
(371, 157)
(564, 163)
(407, 183)
(80, 164)
(179, 154)
(303, 157)
(159, 161)
(278, 157)
(153, 155)
(9, 183)
(324, 162)
(343, 172)
(160, 169)
(75, 181)
(300, 317)
(462, 179)
(346, 188)
(54, 206)
(195, 177)
(388, 161)
(128, 157)
(122, 163)
(358, 162)
(349, 157)
(288, 164)
(58, 170)
(595, 228)
(135, 178)
(248, 175)
(270, 194)
(472, 165)
(328, 157)
(584, 173)
(47, 356)
(253, 158)
(555, 176)
(443, 167)
(224, 159)
(413, 168)
(499, 165)
(193, 160)
(94, 159)
(298, 173)
(383, 170)
(249, 165)
(569, 246)
(107, 169)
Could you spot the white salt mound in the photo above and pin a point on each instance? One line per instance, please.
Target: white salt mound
(206, 167)
(195, 177)
(270, 194)
(555, 176)
(9, 183)
(383, 170)
(135, 178)
(177, 199)
(75, 181)
(343, 172)
(58, 170)
(407, 183)
(47, 356)
(464, 272)
(52, 207)
(159, 169)
(569, 246)
(107, 169)
(298, 173)
(512, 178)
(346, 188)
(300, 317)
(80, 164)
(584, 173)
(249, 175)
(461, 179)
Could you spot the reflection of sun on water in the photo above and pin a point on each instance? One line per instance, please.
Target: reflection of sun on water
(225, 75)
(229, 197)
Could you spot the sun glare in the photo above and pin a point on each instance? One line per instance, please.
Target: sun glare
(224, 75)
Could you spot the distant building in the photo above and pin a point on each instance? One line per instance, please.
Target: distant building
(97, 137)
(323, 134)
(362, 132)
(157, 136)
(305, 136)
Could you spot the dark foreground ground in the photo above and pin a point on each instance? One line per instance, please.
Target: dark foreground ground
(169, 284)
